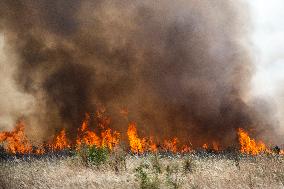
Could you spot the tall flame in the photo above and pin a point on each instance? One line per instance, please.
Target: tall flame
(137, 145)
(60, 142)
(85, 136)
(16, 141)
(249, 145)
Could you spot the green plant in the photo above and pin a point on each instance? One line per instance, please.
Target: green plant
(96, 155)
(148, 180)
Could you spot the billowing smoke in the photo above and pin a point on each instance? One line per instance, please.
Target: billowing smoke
(181, 68)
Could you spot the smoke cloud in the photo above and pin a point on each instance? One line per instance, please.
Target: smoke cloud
(181, 68)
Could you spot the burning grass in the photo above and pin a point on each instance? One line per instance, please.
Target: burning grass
(16, 141)
(96, 160)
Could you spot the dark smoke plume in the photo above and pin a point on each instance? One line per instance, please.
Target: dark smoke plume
(182, 68)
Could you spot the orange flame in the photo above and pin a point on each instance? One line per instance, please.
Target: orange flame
(109, 140)
(152, 145)
(16, 141)
(137, 145)
(171, 145)
(205, 146)
(248, 145)
(186, 149)
(85, 136)
(60, 142)
(215, 146)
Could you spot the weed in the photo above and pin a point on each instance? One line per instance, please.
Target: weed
(148, 179)
(173, 177)
(188, 165)
(157, 166)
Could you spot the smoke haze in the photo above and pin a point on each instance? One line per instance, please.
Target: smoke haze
(181, 68)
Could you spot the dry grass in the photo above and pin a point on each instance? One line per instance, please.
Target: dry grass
(192, 171)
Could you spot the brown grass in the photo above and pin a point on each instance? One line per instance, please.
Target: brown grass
(192, 171)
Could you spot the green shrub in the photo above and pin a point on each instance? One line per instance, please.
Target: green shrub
(96, 155)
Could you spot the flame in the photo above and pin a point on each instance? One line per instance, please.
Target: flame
(16, 141)
(85, 136)
(205, 146)
(215, 146)
(186, 149)
(109, 139)
(40, 150)
(60, 142)
(137, 145)
(152, 145)
(248, 145)
(170, 145)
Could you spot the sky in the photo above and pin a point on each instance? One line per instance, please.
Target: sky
(268, 53)
(268, 41)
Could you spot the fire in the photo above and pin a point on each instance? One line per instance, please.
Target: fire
(186, 149)
(141, 145)
(137, 145)
(109, 139)
(205, 146)
(60, 141)
(215, 146)
(171, 145)
(248, 145)
(16, 141)
(85, 136)
(152, 145)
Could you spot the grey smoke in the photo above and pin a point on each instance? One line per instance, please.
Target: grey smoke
(182, 68)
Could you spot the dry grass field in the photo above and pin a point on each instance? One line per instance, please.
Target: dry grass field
(148, 171)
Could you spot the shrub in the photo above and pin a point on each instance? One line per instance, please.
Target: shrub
(188, 165)
(96, 155)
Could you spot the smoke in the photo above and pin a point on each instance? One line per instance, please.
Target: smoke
(268, 44)
(181, 68)
(13, 103)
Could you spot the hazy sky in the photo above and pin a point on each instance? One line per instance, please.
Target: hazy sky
(268, 40)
